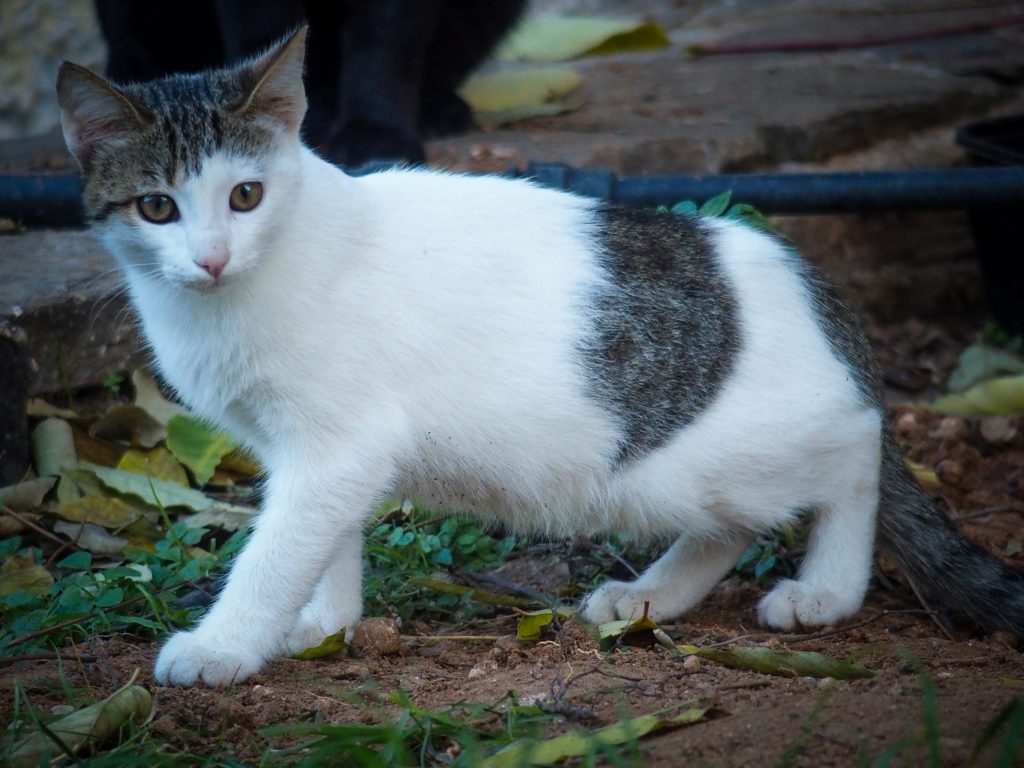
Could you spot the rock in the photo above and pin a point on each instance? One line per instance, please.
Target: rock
(692, 663)
(61, 289)
(377, 636)
(998, 429)
(950, 428)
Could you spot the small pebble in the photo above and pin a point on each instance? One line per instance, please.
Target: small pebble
(906, 421)
(950, 472)
(998, 430)
(377, 636)
(692, 663)
(950, 428)
(482, 669)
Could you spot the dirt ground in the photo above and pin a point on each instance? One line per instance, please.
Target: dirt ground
(755, 719)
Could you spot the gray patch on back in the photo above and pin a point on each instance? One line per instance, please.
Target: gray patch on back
(666, 330)
(189, 117)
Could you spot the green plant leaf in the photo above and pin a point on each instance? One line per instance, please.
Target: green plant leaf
(79, 561)
(1002, 396)
(531, 623)
(577, 744)
(332, 645)
(198, 446)
(545, 39)
(156, 493)
(610, 632)
(716, 206)
(782, 663)
(684, 208)
(980, 362)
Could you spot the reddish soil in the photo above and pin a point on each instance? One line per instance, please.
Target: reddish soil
(755, 719)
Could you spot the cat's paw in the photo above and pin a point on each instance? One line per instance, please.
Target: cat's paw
(188, 658)
(615, 600)
(317, 622)
(309, 632)
(793, 602)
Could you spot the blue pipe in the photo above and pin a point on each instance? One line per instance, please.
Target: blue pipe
(55, 201)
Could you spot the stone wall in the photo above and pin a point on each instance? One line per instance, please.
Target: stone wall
(35, 37)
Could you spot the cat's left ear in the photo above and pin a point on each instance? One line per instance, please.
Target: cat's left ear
(275, 82)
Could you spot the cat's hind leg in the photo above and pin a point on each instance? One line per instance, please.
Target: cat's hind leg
(337, 602)
(672, 585)
(836, 570)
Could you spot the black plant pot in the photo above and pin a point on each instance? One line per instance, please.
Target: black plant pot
(999, 231)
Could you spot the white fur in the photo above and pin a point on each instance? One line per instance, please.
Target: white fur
(415, 332)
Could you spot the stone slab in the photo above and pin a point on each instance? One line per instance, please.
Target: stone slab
(63, 290)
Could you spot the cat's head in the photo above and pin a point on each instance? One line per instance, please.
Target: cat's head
(188, 177)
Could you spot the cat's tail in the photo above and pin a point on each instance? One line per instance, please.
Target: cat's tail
(945, 569)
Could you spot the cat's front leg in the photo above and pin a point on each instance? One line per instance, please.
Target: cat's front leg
(307, 517)
(337, 601)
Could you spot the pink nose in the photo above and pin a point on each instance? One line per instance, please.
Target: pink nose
(213, 263)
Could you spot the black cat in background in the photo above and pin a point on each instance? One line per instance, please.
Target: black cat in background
(381, 74)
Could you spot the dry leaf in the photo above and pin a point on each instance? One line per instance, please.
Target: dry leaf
(576, 744)
(101, 510)
(21, 573)
(129, 424)
(500, 97)
(91, 725)
(27, 495)
(149, 398)
(544, 39)
(158, 463)
(53, 447)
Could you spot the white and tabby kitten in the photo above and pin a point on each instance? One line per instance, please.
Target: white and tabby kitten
(489, 346)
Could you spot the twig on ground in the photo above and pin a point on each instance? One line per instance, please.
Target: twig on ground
(848, 627)
(513, 587)
(45, 656)
(987, 511)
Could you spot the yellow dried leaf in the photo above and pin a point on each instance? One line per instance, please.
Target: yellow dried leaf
(542, 39)
(500, 97)
(108, 512)
(21, 573)
(158, 463)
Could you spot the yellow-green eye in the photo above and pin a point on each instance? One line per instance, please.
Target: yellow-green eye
(159, 209)
(246, 196)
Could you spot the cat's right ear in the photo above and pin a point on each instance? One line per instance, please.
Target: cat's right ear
(92, 111)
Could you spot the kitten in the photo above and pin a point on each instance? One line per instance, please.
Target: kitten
(487, 345)
(380, 73)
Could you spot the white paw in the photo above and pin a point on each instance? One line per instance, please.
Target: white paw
(313, 628)
(188, 658)
(794, 602)
(616, 600)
